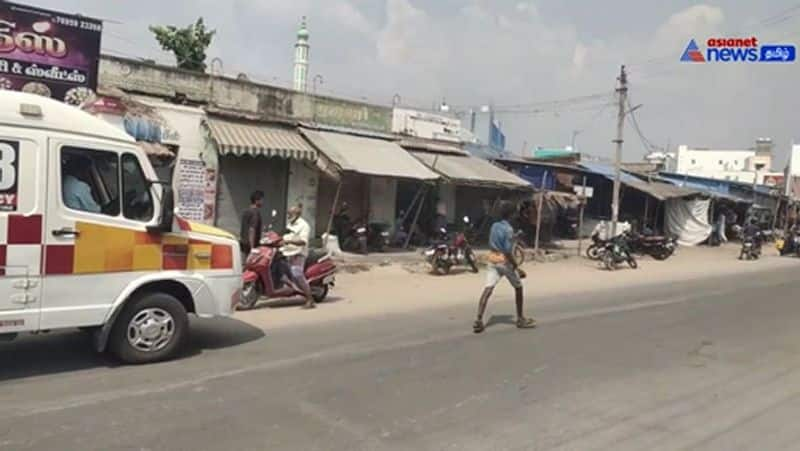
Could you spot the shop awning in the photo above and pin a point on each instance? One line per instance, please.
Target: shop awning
(659, 190)
(156, 150)
(469, 170)
(368, 156)
(243, 138)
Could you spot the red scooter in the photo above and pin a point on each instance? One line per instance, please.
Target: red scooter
(266, 274)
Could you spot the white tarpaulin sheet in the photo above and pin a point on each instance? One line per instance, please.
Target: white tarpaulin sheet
(688, 220)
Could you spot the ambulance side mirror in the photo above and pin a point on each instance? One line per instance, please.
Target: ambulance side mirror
(167, 213)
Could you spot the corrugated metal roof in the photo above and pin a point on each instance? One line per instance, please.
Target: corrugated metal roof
(368, 156)
(432, 146)
(240, 138)
(470, 170)
(660, 190)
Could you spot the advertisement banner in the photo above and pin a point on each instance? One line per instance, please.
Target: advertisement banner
(9, 173)
(49, 53)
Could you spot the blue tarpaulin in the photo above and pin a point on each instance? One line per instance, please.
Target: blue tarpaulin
(535, 174)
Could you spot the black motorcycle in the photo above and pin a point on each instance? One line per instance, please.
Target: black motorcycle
(596, 249)
(751, 246)
(378, 236)
(618, 251)
(355, 239)
(657, 246)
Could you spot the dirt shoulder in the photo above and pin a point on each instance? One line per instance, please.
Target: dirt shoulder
(403, 288)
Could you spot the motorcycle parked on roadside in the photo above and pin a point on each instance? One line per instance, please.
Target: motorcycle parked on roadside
(618, 251)
(442, 256)
(657, 246)
(356, 239)
(266, 273)
(596, 249)
(378, 237)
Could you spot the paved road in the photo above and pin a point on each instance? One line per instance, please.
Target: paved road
(701, 365)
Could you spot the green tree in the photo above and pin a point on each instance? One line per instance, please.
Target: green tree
(187, 44)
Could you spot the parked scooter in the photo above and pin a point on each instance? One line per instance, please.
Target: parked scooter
(266, 273)
(618, 251)
(443, 256)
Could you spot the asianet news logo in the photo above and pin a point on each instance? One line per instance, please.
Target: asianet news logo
(738, 50)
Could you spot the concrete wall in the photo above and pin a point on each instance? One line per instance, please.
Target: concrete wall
(258, 100)
(303, 185)
(383, 198)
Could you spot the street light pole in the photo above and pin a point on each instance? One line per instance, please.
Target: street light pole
(622, 94)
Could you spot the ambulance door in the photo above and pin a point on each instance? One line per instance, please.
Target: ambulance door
(22, 188)
(96, 231)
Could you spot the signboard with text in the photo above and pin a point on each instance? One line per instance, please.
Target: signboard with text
(49, 53)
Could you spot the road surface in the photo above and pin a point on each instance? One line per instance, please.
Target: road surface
(711, 364)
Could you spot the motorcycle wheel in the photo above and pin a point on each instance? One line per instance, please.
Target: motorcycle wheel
(662, 254)
(632, 262)
(442, 268)
(319, 293)
(519, 254)
(609, 261)
(249, 296)
(593, 252)
(472, 260)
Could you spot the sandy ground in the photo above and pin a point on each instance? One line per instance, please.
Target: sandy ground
(404, 288)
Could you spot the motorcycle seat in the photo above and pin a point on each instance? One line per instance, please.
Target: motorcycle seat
(314, 256)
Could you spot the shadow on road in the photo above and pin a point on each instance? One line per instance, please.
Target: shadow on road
(292, 302)
(501, 319)
(68, 351)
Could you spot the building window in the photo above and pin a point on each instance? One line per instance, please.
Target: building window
(759, 166)
(720, 162)
(694, 161)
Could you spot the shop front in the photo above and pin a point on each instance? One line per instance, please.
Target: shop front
(363, 174)
(470, 186)
(259, 156)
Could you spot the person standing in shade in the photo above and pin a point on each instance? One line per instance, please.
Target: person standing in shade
(296, 250)
(250, 233)
(721, 225)
(502, 264)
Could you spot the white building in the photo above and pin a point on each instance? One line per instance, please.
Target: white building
(301, 47)
(738, 165)
(426, 125)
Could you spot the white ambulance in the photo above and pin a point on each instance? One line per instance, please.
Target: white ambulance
(88, 238)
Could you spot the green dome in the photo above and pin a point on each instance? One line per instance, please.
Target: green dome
(302, 33)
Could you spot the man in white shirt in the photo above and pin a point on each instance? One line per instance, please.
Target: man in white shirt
(296, 250)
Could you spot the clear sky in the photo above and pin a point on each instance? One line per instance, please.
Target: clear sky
(516, 54)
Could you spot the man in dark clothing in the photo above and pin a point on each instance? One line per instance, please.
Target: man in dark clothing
(250, 234)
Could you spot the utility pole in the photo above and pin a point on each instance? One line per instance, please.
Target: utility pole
(622, 94)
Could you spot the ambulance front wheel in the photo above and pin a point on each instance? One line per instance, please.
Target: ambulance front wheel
(150, 328)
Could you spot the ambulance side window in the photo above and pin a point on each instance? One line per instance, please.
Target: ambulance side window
(90, 180)
(137, 204)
